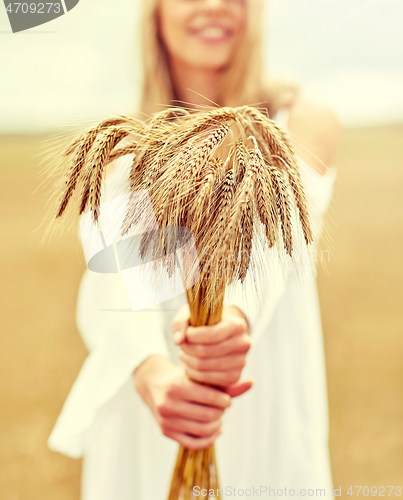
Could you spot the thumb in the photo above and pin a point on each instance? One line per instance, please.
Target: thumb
(239, 388)
(180, 323)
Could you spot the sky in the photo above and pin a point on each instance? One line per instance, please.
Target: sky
(83, 66)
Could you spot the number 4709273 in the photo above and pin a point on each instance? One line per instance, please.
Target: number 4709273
(375, 491)
(33, 8)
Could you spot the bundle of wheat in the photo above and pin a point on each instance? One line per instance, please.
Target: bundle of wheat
(217, 173)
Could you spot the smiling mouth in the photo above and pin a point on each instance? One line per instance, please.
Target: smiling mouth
(212, 33)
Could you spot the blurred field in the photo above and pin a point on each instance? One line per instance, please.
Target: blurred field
(361, 296)
(362, 311)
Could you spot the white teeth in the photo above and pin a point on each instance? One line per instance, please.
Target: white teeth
(212, 32)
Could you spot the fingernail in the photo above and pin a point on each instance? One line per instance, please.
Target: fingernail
(177, 337)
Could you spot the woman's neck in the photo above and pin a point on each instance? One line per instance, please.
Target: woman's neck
(195, 86)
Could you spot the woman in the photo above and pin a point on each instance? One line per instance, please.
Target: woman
(201, 52)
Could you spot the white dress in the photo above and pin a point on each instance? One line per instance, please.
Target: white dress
(275, 436)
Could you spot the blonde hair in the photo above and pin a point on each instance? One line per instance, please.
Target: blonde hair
(243, 80)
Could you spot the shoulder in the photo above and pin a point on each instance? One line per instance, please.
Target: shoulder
(315, 132)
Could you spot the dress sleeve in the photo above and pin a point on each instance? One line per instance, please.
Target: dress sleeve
(119, 339)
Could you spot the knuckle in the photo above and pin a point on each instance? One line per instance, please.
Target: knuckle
(210, 397)
(215, 425)
(164, 427)
(172, 390)
(242, 362)
(163, 409)
(244, 324)
(176, 325)
(215, 398)
(246, 341)
(211, 428)
(204, 430)
(165, 431)
(216, 414)
(239, 325)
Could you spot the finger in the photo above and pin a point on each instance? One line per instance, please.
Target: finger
(239, 344)
(193, 443)
(214, 378)
(230, 311)
(188, 410)
(180, 323)
(192, 427)
(223, 330)
(208, 396)
(239, 388)
(223, 363)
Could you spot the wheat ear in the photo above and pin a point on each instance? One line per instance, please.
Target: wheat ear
(281, 153)
(83, 148)
(109, 122)
(93, 176)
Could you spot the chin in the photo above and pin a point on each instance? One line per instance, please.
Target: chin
(211, 60)
(212, 65)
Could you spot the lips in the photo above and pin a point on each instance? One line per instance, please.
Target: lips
(212, 33)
